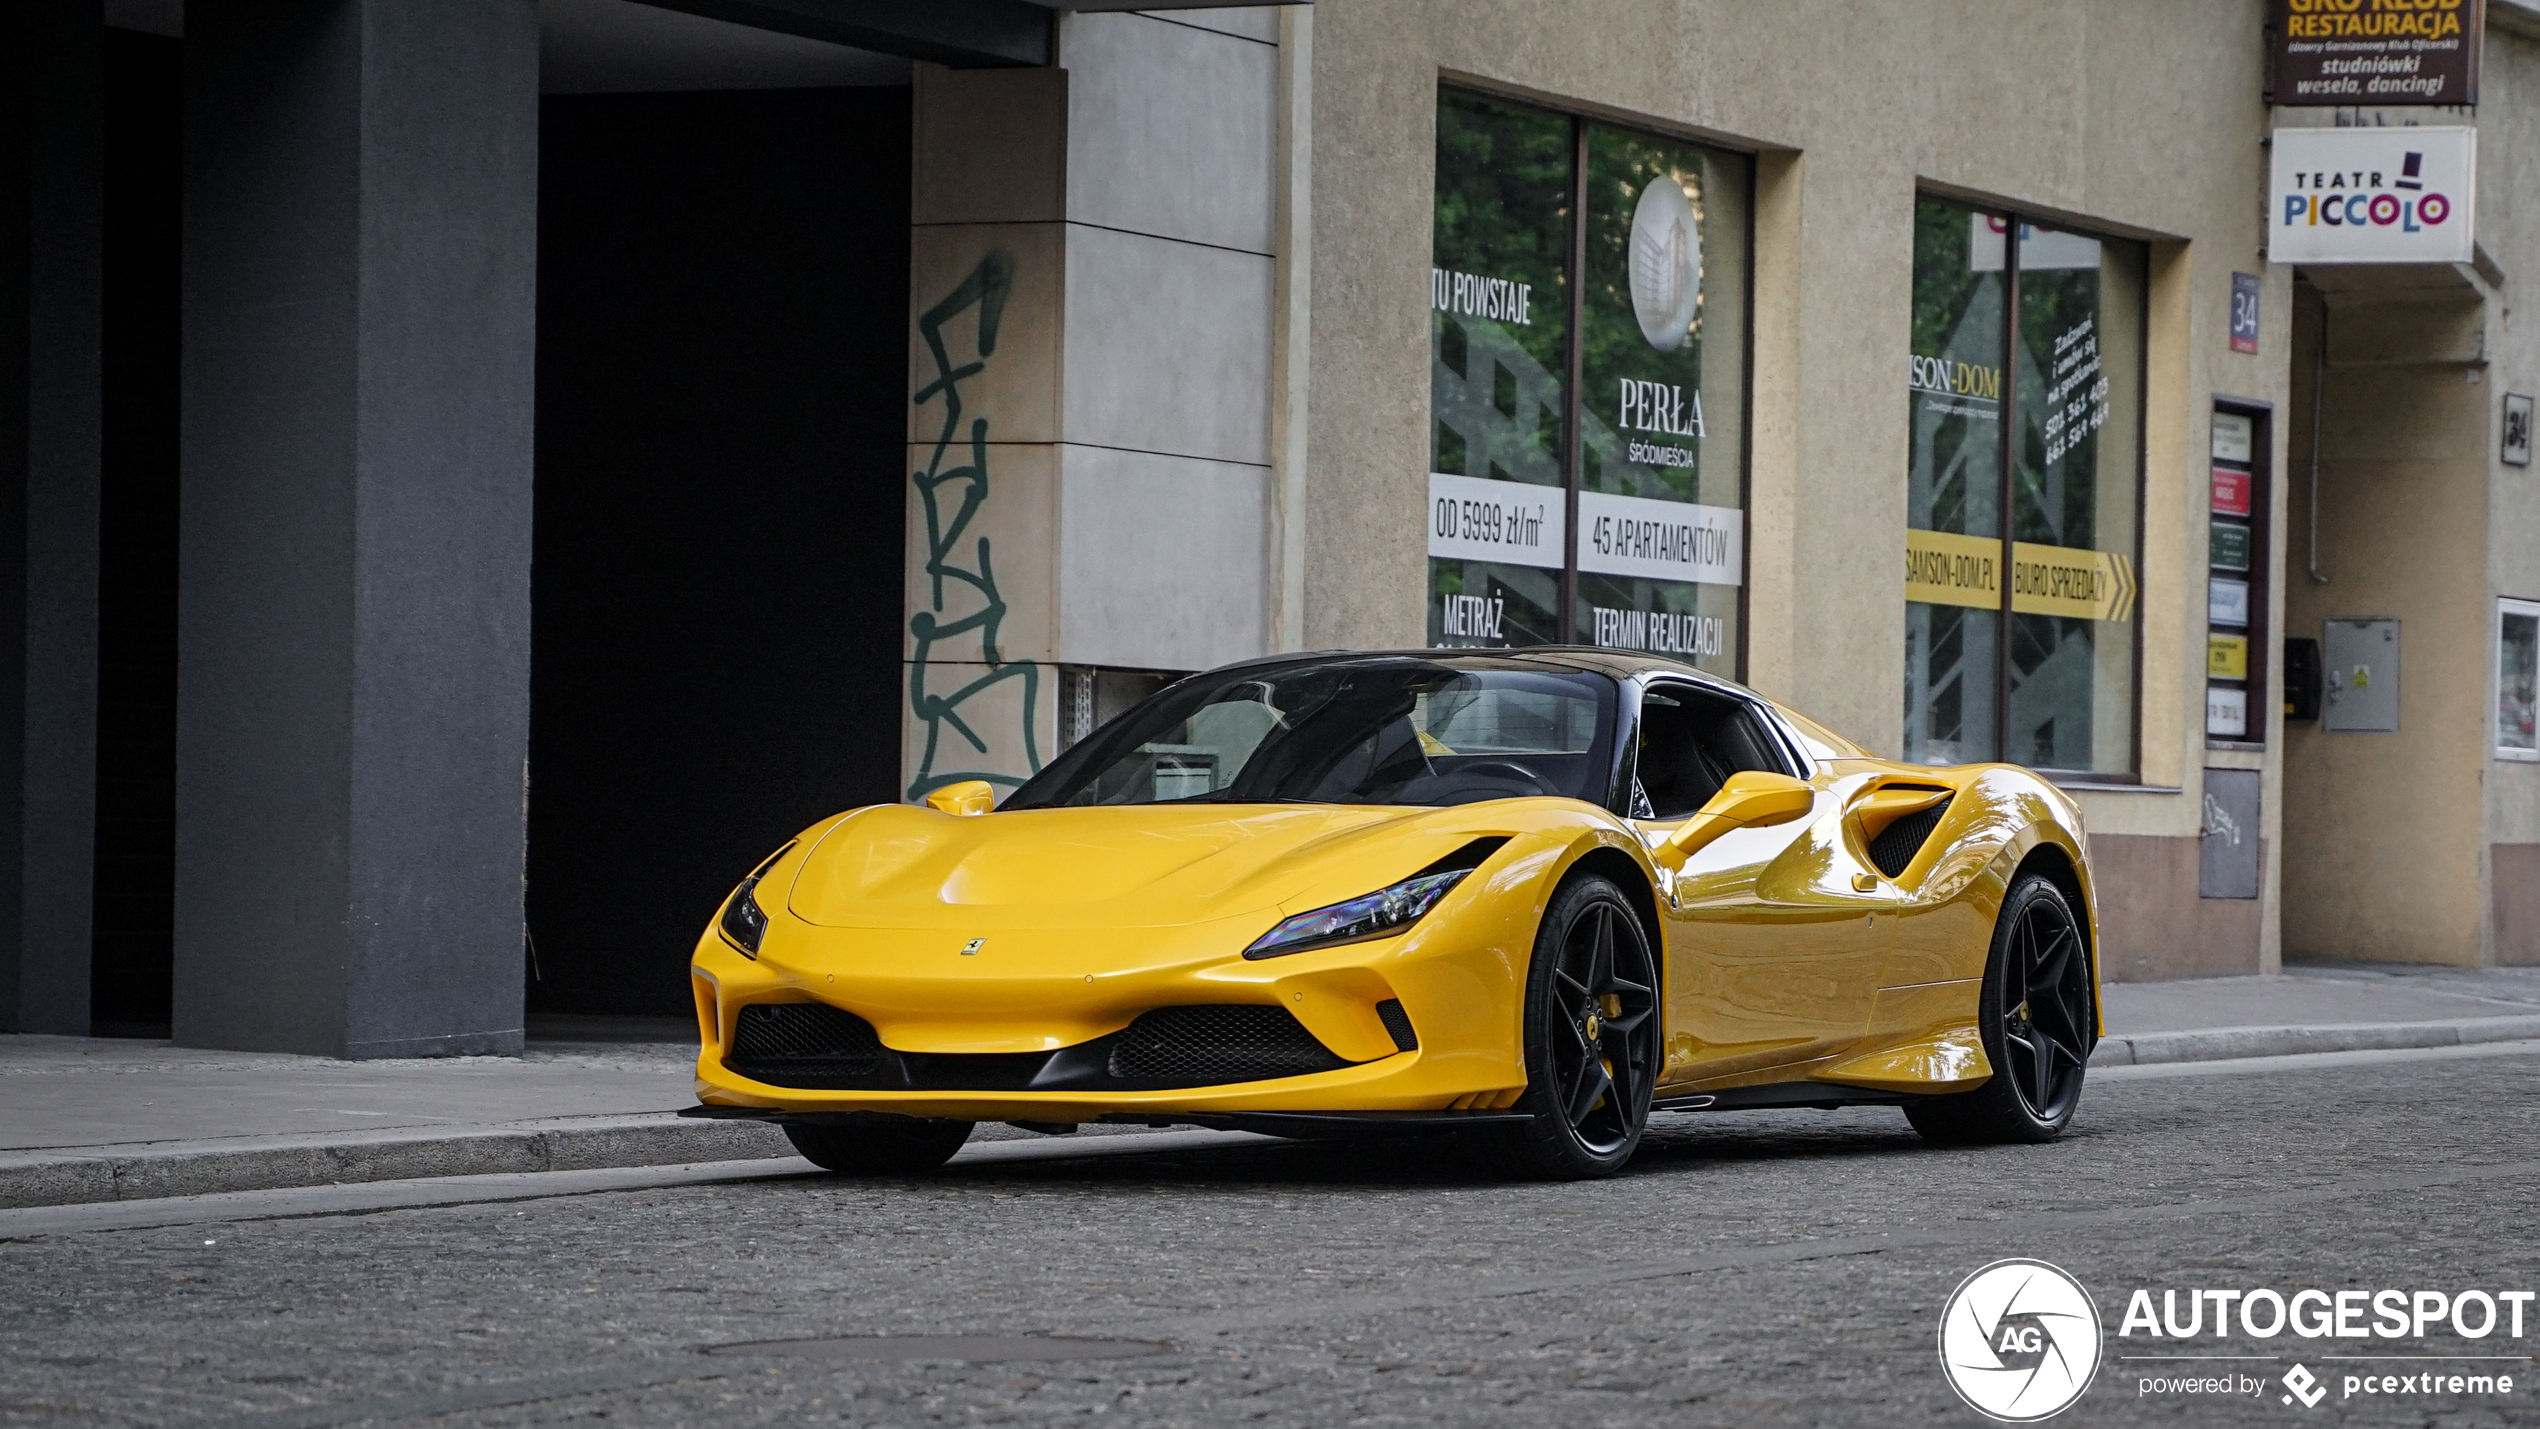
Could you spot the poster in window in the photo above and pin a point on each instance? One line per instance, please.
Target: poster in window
(1953, 510)
(1499, 349)
(2230, 545)
(1661, 536)
(2231, 492)
(2517, 679)
(2226, 601)
(2226, 712)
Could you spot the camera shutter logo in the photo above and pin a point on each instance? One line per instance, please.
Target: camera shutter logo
(1666, 264)
(2019, 1340)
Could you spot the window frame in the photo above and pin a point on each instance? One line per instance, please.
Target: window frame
(2505, 605)
(1574, 298)
(2013, 217)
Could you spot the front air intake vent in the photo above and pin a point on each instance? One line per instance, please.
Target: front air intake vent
(1897, 844)
(803, 1044)
(1209, 1046)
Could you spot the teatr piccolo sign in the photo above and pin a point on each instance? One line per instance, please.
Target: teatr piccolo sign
(2402, 195)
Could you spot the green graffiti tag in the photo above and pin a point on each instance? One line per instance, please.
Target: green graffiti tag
(986, 289)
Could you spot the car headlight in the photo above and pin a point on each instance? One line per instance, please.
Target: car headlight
(1380, 914)
(744, 923)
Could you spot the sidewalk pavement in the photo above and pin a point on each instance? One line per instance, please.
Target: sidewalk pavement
(102, 1119)
(2317, 1007)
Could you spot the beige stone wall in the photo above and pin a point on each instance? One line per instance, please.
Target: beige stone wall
(2383, 847)
(2420, 845)
(2509, 229)
(2138, 119)
(2509, 125)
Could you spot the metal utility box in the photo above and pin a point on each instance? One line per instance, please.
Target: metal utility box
(2362, 676)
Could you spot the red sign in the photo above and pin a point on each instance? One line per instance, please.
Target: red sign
(2231, 492)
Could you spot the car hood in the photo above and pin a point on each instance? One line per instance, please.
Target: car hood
(1140, 866)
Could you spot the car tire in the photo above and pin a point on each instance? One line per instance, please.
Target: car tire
(1591, 1022)
(2038, 1018)
(883, 1146)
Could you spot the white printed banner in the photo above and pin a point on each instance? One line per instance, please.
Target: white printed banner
(1514, 523)
(1661, 540)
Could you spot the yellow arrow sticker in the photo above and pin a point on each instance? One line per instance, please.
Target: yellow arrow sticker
(1945, 568)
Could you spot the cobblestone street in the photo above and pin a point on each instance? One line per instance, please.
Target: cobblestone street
(1755, 1268)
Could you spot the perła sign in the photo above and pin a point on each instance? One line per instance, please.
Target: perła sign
(2372, 195)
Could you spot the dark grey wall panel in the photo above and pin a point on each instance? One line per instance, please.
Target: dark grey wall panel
(48, 627)
(353, 681)
(449, 351)
(136, 558)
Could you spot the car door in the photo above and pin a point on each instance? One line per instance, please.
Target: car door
(1772, 952)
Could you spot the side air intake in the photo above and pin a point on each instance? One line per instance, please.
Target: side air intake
(1897, 844)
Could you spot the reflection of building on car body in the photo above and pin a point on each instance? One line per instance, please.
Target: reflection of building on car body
(1529, 898)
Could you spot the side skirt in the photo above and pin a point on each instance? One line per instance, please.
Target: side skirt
(1821, 1095)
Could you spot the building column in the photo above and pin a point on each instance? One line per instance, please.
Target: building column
(1095, 303)
(353, 670)
(55, 80)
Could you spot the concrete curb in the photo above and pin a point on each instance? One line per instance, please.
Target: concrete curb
(2218, 1044)
(150, 1170)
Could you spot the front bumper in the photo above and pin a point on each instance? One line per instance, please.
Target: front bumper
(1297, 1125)
(1020, 1036)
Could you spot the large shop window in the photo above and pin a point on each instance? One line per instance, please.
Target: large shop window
(1587, 457)
(2038, 668)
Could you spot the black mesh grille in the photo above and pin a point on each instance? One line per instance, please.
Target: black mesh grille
(1398, 1022)
(803, 1044)
(1205, 1046)
(1897, 844)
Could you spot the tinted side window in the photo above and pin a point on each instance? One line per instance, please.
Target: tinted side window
(1690, 743)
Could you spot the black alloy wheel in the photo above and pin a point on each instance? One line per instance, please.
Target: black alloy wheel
(1592, 1037)
(2038, 1021)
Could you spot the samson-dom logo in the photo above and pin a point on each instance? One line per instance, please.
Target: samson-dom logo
(2019, 1340)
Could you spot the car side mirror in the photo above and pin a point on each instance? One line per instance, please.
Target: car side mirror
(1750, 799)
(970, 796)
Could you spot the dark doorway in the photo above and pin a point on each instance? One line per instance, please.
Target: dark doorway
(722, 305)
(134, 908)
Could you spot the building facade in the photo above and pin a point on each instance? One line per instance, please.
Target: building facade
(554, 451)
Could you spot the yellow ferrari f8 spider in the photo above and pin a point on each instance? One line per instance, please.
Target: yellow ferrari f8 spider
(1530, 898)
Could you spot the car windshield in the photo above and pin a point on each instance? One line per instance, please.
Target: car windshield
(1399, 730)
